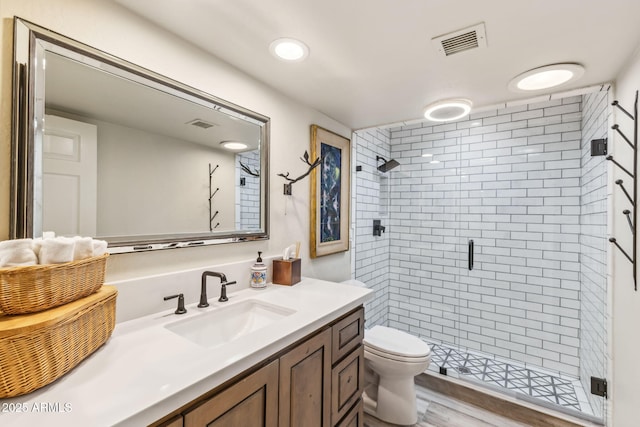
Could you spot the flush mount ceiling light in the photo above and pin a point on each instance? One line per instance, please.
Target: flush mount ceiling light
(447, 110)
(234, 145)
(290, 50)
(546, 77)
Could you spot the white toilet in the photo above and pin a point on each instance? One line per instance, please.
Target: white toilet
(392, 359)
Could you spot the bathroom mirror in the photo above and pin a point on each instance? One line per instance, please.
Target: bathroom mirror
(105, 148)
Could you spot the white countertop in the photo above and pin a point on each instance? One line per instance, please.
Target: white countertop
(144, 371)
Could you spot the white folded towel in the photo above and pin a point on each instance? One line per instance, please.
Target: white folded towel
(56, 250)
(83, 248)
(99, 247)
(17, 252)
(37, 244)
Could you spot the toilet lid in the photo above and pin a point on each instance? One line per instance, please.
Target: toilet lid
(394, 342)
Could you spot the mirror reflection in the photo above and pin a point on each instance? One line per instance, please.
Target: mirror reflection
(136, 159)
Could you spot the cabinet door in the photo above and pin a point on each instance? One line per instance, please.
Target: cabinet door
(251, 402)
(305, 383)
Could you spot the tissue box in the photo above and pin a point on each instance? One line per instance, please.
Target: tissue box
(286, 272)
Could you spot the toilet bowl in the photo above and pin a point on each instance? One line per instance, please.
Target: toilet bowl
(395, 358)
(392, 359)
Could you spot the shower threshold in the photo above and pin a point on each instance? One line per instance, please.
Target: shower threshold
(532, 384)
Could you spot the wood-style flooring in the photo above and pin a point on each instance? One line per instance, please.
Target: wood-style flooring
(438, 410)
(448, 402)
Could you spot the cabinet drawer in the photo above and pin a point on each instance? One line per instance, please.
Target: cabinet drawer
(355, 416)
(347, 383)
(347, 334)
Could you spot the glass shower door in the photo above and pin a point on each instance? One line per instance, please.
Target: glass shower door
(482, 323)
(440, 200)
(524, 280)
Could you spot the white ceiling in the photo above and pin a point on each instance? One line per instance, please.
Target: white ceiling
(372, 62)
(85, 90)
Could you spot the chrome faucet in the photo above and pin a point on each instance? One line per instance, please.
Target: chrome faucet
(223, 289)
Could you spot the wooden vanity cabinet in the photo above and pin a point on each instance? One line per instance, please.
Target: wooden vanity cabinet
(315, 383)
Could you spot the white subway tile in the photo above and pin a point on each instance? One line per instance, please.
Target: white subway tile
(513, 185)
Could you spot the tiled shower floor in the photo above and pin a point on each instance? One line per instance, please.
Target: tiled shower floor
(552, 388)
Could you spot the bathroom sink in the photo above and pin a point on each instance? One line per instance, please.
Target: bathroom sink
(228, 323)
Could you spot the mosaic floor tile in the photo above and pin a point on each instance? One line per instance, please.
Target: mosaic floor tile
(528, 381)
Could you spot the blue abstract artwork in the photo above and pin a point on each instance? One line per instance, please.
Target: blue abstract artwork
(330, 188)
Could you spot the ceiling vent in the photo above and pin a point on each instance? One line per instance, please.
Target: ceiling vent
(461, 40)
(201, 124)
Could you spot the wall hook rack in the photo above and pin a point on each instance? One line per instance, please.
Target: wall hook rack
(631, 214)
(312, 166)
(211, 194)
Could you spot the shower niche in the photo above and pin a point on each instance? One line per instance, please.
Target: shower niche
(383, 202)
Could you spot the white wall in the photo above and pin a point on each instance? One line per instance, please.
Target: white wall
(624, 388)
(132, 161)
(111, 28)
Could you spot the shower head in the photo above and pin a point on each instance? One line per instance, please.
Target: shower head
(387, 165)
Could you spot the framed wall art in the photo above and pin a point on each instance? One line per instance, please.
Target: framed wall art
(330, 192)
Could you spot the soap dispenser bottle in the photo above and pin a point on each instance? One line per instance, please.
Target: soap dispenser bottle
(259, 274)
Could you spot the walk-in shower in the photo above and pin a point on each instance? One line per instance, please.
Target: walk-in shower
(517, 189)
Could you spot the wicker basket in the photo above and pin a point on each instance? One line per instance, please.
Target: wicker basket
(36, 349)
(39, 287)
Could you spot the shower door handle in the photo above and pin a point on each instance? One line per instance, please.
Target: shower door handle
(470, 254)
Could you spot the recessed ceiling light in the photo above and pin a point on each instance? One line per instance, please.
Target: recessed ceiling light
(291, 50)
(427, 155)
(434, 162)
(234, 145)
(546, 77)
(447, 110)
